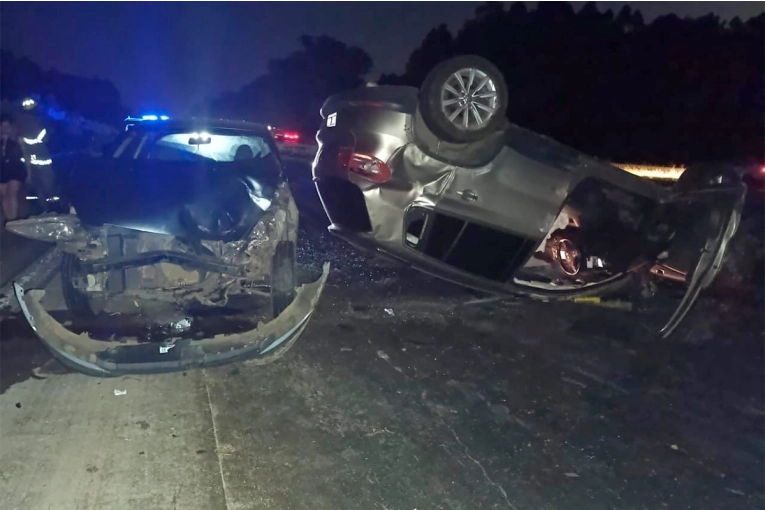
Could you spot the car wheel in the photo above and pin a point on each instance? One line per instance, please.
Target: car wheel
(283, 276)
(463, 99)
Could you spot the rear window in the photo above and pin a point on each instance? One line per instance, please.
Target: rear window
(221, 147)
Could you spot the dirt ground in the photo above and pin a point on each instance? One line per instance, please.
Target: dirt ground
(407, 393)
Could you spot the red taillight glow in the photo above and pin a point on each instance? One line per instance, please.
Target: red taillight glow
(363, 165)
(285, 136)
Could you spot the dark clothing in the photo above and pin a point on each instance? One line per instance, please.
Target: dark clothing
(11, 166)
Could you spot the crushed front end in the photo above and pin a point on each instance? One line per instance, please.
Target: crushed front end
(175, 288)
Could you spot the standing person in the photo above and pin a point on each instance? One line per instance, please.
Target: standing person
(13, 172)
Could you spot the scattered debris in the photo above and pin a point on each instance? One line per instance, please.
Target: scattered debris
(225, 449)
(120, 392)
(384, 356)
(573, 381)
(736, 492)
(182, 325)
(571, 475)
(389, 311)
(483, 301)
(597, 378)
(163, 349)
(674, 447)
(18, 405)
(376, 432)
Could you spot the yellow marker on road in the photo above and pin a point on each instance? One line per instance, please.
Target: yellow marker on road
(596, 300)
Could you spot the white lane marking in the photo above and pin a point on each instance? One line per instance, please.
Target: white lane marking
(217, 441)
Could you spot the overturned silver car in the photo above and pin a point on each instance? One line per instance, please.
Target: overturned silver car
(439, 179)
(177, 219)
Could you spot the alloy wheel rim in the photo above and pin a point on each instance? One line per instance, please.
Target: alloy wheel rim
(469, 99)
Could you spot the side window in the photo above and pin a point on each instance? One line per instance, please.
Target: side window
(126, 149)
(140, 147)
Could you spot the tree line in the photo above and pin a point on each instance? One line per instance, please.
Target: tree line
(95, 99)
(670, 91)
(673, 90)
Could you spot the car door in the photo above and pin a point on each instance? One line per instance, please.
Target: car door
(513, 193)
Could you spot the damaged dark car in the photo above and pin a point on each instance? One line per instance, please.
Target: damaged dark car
(177, 219)
(438, 178)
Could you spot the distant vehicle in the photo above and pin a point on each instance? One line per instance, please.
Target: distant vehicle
(285, 137)
(180, 216)
(439, 179)
(754, 177)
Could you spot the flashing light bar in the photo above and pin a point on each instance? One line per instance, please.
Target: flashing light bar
(147, 117)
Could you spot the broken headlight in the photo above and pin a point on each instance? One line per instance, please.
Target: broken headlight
(49, 228)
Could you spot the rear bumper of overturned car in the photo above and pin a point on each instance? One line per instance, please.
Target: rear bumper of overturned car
(266, 342)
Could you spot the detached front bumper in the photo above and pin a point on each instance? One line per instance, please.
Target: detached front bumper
(724, 208)
(265, 343)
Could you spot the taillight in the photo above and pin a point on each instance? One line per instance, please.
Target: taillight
(291, 137)
(365, 166)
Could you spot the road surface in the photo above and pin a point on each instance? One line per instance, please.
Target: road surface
(406, 393)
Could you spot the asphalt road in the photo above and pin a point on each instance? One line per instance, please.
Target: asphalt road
(406, 393)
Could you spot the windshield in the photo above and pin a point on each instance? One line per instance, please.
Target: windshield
(215, 145)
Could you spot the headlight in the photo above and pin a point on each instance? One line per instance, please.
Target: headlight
(49, 228)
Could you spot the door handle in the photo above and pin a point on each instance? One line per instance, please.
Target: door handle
(468, 195)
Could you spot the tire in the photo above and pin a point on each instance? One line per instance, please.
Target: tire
(444, 79)
(283, 276)
(76, 301)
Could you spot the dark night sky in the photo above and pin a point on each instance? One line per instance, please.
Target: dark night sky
(171, 55)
